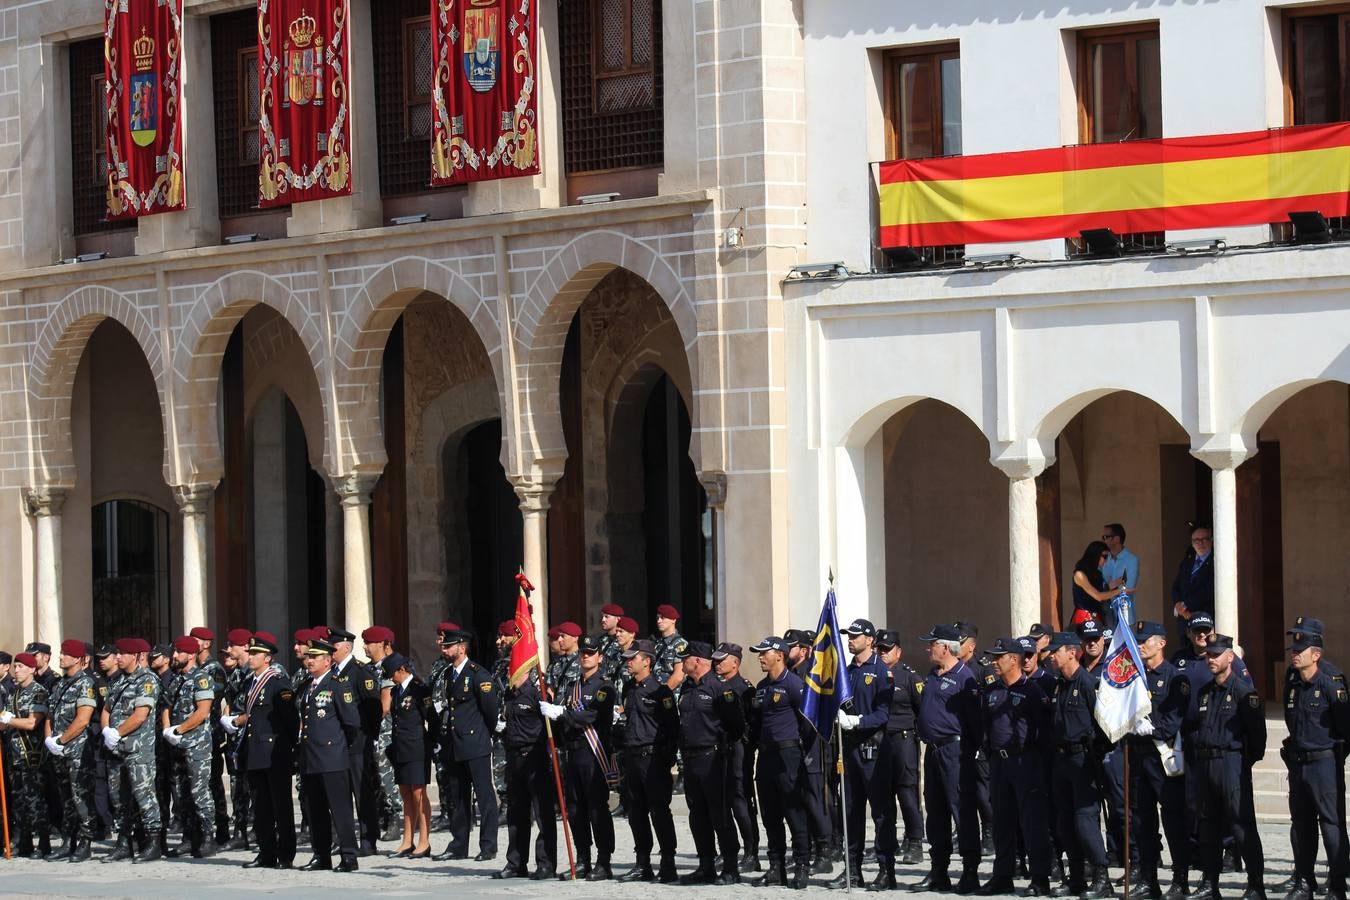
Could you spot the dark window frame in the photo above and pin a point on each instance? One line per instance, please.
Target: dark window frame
(935, 55)
(1290, 70)
(411, 99)
(1088, 39)
(246, 61)
(99, 128)
(601, 74)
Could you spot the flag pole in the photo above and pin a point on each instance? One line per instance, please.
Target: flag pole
(843, 808)
(1125, 858)
(4, 805)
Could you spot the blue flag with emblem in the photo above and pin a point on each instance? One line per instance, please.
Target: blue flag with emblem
(1122, 698)
(827, 683)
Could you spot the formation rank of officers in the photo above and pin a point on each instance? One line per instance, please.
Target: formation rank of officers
(1014, 763)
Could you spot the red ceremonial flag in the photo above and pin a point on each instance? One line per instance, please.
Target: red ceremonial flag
(486, 111)
(525, 651)
(305, 125)
(143, 93)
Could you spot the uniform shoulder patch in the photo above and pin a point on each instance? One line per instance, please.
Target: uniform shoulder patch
(148, 688)
(729, 696)
(601, 694)
(204, 682)
(681, 645)
(485, 687)
(287, 696)
(87, 692)
(1254, 701)
(370, 684)
(1185, 687)
(669, 702)
(989, 679)
(346, 696)
(918, 687)
(102, 690)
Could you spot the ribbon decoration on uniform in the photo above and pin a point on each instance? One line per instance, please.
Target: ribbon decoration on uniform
(608, 765)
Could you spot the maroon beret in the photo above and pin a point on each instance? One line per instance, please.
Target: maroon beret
(302, 636)
(666, 611)
(507, 628)
(571, 629)
(186, 644)
(611, 609)
(238, 637)
(266, 636)
(128, 645)
(72, 647)
(202, 634)
(447, 626)
(377, 634)
(320, 632)
(27, 659)
(629, 624)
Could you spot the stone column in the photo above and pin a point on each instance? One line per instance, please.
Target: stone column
(194, 502)
(859, 532)
(1024, 548)
(715, 488)
(44, 505)
(534, 499)
(359, 608)
(1223, 462)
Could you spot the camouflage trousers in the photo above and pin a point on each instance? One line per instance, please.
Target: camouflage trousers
(391, 802)
(27, 793)
(192, 786)
(133, 776)
(74, 772)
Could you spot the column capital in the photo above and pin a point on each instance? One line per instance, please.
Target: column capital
(535, 487)
(1223, 451)
(1023, 459)
(354, 488)
(44, 501)
(193, 499)
(715, 486)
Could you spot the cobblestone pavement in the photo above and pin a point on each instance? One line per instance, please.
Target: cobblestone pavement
(222, 875)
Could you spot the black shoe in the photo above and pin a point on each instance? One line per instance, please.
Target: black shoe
(583, 870)
(750, 862)
(120, 852)
(821, 865)
(425, 854)
(846, 877)
(912, 853)
(1144, 889)
(667, 874)
(1300, 891)
(451, 853)
(728, 876)
(1203, 888)
(347, 865)
(775, 876)
(284, 864)
(511, 871)
(1289, 884)
(484, 856)
(801, 875)
(258, 862)
(601, 872)
(81, 852)
(392, 832)
(1039, 887)
(701, 875)
(969, 882)
(885, 880)
(1254, 893)
(316, 865)
(238, 842)
(1177, 890)
(1099, 887)
(402, 854)
(638, 873)
(995, 887)
(1231, 861)
(935, 882)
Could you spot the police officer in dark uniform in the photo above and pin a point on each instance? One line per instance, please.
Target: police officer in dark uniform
(741, 758)
(1317, 712)
(585, 716)
(863, 722)
(897, 771)
(1226, 734)
(777, 725)
(948, 693)
(711, 721)
(1014, 727)
(815, 764)
(977, 812)
(364, 684)
(529, 784)
(268, 720)
(1075, 740)
(653, 723)
(330, 723)
(1150, 787)
(467, 724)
(413, 724)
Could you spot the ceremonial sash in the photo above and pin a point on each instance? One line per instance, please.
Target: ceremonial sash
(267, 675)
(607, 763)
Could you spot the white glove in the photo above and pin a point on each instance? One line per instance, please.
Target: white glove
(617, 712)
(1144, 728)
(108, 733)
(111, 738)
(5, 717)
(53, 747)
(500, 727)
(173, 737)
(440, 707)
(551, 710)
(227, 722)
(847, 722)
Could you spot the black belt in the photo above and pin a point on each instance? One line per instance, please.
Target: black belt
(1071, 749)
(905, 733)
(1310, 755)
(945, 741)
(710, 748)
(781, 745)
(644, 750)
(1215, 752)
(1008, 752)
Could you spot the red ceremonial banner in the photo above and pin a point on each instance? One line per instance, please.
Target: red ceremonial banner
(486, 111)
(143, 93)
(305, 126)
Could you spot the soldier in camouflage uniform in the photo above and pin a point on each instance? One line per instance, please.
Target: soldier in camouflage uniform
(186, 724)
(21, 721)
(299, 684)
(379, 643)
(501, 677)
(74, 703)
(161, 664)
(129, 732)
(436, 681)
(564, 669)
(207, 663)
(105, 673)
(625, 634)
(611, 660)
(669, 646)
(236, 699)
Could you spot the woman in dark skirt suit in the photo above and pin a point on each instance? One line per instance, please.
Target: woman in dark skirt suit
(410, 752)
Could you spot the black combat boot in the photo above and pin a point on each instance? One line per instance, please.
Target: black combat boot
(820, 859)
(641, 871)
(82, 850)
(885, 880)
(776, 874)
(1099, 885)
(121, 851)
(848, 875)
(936, 881)
(153, 851)
(801, 875)
(912, 853)
(667, 874)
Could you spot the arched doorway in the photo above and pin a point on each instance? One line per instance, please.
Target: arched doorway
(130, 549)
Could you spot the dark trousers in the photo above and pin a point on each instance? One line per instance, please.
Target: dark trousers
(780, 781)
(1111, 780)
(1017, 790)
(273, 816)
(533, 793)
(649, 790)
(741, 769)
(946, 774)
(706, 782)
(897, 775)
(1224, 808)
(587, 795)
(1149, 790)
(979, 802)
(862, 789)
(1077, 808)
(470, 780)
(222, 823)
(819, 824)
(365, 785)
(102, 802)
(330, 807)
(1313, 805)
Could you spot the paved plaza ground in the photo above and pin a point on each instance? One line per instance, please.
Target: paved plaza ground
(222, 876)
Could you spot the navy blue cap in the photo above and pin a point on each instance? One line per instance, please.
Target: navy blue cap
(799, 636)
(1144, 630)
(1005, 645)
(966, 629)
(1200, 621)
(590, 643)
(1027, 644)
(1218, 644)
(1065, 639)
(1304, 623)
(862, 627)
(393, 662)
(637, 647)
(772, 642)
(1040, 630)
(942, 632)
(1089, 629)
(886, 639)
(698, 649)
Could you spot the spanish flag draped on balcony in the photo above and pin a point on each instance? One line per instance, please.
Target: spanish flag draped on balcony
(1212, 180)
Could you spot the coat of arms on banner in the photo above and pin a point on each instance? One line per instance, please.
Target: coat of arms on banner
(482, 53)
(143, 96)
(304, 62)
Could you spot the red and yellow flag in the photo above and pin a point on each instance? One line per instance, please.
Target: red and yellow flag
(525, 651)
(1252, 178)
